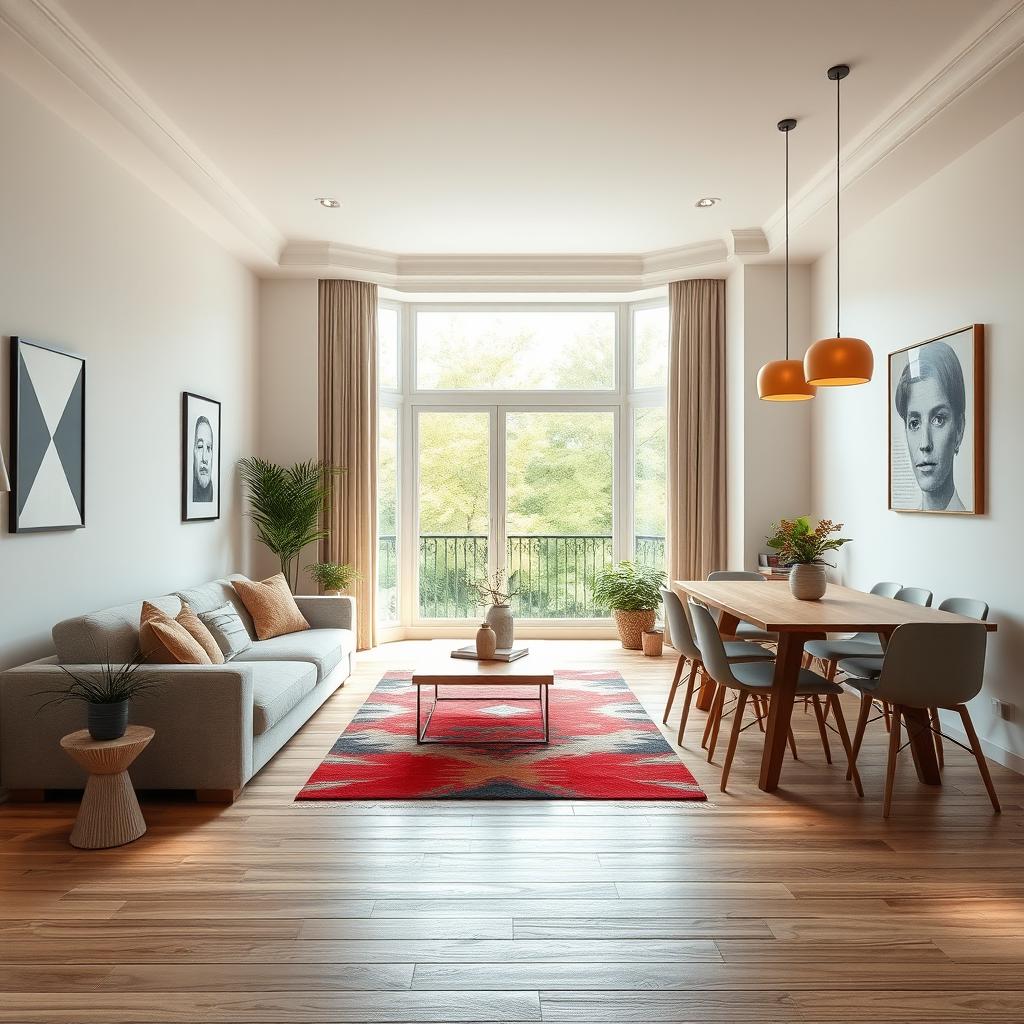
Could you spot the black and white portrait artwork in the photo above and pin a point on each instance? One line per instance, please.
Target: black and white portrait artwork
(200, 458)
(936, 425)
(47, 438)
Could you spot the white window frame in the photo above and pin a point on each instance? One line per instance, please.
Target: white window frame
(410, 401)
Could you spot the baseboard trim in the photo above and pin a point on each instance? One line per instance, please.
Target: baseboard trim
(994, 752)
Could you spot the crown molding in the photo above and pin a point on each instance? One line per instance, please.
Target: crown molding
(68, 52)
(987, 50)
(424, 272)
(53, 58)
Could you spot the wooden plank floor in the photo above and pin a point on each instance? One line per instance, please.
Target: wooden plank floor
(799, 906)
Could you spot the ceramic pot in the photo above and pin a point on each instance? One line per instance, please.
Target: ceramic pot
(486, 642)
(332, 593)
(108, 721)
(653, 641)
(632, 625)
(499, 617)
(807, 582)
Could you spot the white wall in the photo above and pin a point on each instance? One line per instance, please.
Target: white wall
(767, 450)
(948, 254)
(288, 415)
(93, 262)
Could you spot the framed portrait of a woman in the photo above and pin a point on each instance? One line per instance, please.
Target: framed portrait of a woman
(937, 424)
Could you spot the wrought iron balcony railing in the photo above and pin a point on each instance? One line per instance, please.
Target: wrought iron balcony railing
(556, 573)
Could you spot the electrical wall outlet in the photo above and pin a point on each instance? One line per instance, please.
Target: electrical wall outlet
(1002, 710)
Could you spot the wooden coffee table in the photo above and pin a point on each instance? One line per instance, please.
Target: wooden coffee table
(439, 669)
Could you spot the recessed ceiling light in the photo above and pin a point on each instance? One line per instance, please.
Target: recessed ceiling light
(328, 203)
(703, 204)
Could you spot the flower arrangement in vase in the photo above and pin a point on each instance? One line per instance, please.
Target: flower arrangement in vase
(802, 547)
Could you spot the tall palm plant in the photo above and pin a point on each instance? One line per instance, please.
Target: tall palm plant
(285, 506)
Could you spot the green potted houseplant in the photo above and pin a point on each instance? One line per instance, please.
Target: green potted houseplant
(332, 578)
(802, 547)
(106, 693)
(633, 593)
(287, 505)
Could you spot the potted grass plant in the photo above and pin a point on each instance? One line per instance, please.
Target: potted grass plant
(633, 593)
(802, 547)
(106, 692)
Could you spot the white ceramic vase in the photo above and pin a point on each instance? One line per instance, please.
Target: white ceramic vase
(807, 582)
(500, 618)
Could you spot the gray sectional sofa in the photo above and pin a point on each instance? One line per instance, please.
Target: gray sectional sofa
(216, 725)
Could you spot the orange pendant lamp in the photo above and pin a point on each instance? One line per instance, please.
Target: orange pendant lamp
(782, 380)
(838, 361)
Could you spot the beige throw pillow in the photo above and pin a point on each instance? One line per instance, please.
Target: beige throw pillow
(271, 605)
(155, 647)
(182, 647)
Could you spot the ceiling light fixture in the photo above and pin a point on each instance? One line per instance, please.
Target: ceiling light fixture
(706, 202)
(838, 361)
(328, 203)
(782, 380)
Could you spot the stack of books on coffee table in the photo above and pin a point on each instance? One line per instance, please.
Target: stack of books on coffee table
(501, 654)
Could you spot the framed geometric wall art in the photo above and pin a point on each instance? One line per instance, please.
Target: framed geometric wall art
(47, 438)
(937, 424)
(200, 458)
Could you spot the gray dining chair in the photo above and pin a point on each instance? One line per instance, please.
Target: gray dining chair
(860, 645)
(744, 630)
(681, 638)
(929, 665)
(754, 679)
(870, 668)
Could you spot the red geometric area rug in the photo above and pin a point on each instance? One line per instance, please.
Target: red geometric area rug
(603, 746)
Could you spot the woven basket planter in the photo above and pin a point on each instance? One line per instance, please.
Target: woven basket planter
(632, 626)
(653, 642)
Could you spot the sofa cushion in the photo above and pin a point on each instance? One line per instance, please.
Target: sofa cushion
(323, 648)
(112, 633)
(228, 630)
(277, 686)
(272, 606)
(212, 595)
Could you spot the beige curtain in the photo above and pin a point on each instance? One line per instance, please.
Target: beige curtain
(348, 436)
(696, 429)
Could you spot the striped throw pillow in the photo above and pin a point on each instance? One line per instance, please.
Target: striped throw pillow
(228, 630)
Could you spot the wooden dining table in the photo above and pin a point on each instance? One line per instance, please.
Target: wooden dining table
(771, 607)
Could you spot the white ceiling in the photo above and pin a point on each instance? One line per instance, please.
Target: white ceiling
(521, 126)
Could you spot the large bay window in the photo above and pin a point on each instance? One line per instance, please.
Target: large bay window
(521, 436)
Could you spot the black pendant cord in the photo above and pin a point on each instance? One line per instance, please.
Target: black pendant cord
(787, 244)
(839, 82)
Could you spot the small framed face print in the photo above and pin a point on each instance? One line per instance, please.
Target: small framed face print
(937, 424)
(200, 458)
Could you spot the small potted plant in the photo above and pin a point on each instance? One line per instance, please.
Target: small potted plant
(106, 692)
(633, 593)
(333, 578)
(802, 547)
(496, 592)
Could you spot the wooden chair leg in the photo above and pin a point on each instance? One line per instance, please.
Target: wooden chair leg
(844, 735)
(979, 756)
(710, 721)
(716, 711)
(866, 704)
(933, 716)
(734, 736)
(676, 678)
(759, 713)
(890, 764)
(792, 744)
(822, 731)
(687, 701)
(886, 715)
